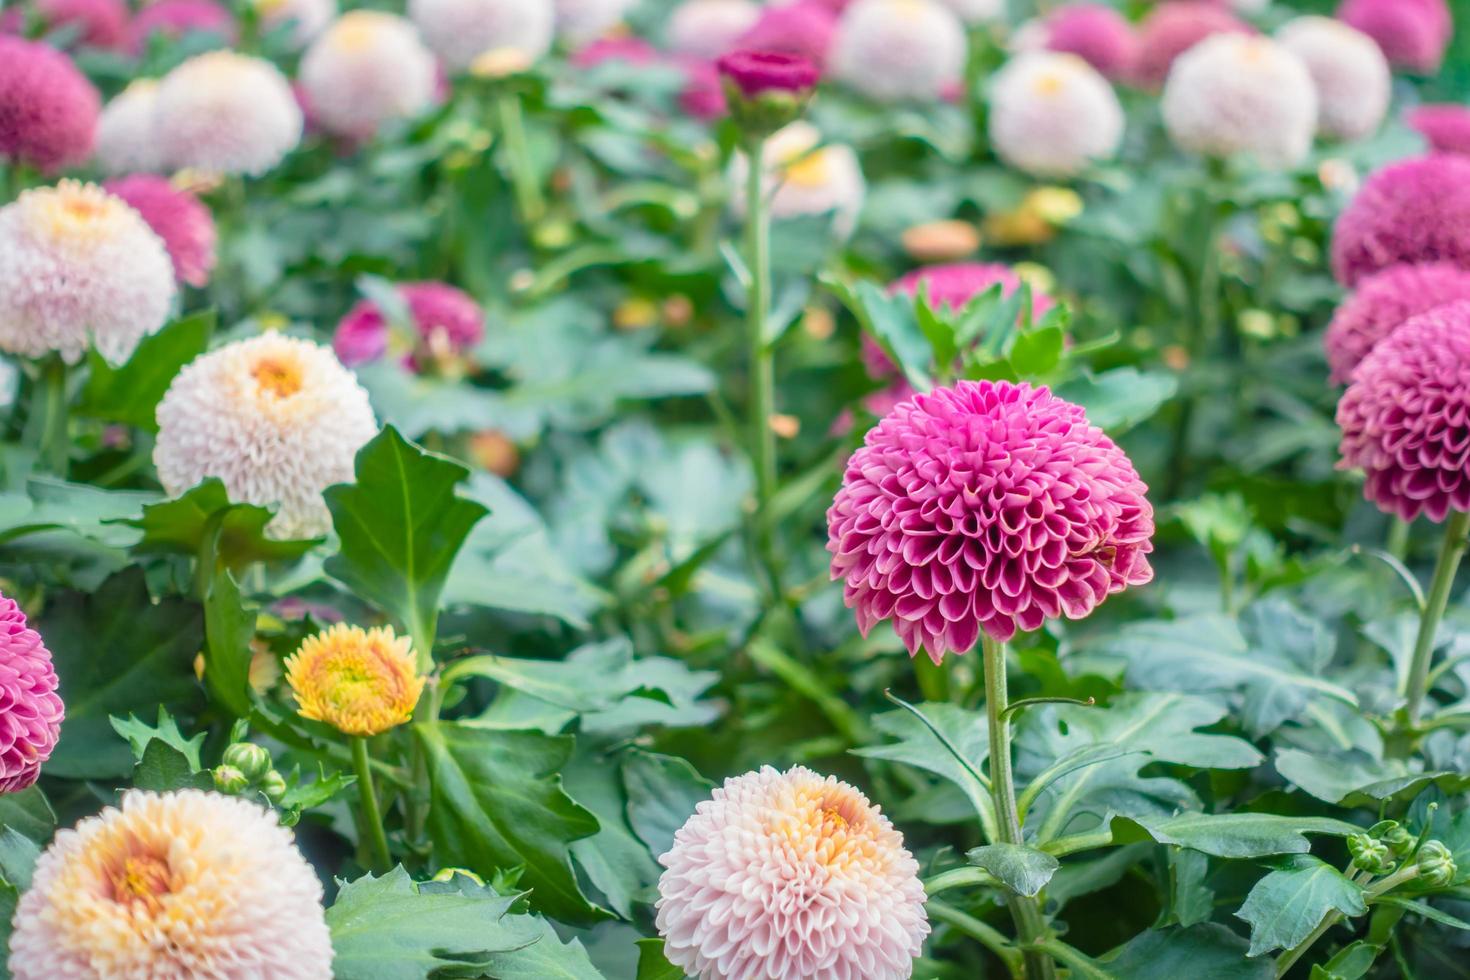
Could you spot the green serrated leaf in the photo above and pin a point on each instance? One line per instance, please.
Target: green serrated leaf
(1286, 905)
(130, 393)
(164, 769)
(1232, 835)
(1024, 870)
(140, 733)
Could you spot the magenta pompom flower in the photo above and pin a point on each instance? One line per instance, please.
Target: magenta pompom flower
(1416, 210)
(33, 711)
(177, 18)
(1097, 34)
(754, 73)
(176, 216)
(1403, 418)
(1172, 29)
(1412, 33)
(1445, 125)
(806, 28)
(48, 109)
(100, 23)
(1382, 303)
(448, 322)
(789, 875)
(987, 506)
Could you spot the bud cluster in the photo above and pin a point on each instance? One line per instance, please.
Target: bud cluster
(246, 765)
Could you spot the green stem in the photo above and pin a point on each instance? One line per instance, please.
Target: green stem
(762, 363)
(1398, 538)
(372, 819)
(1450, 553)
(47, 426)
(1026, 911)
(986, 935)
(1288, 959)
(529, 200)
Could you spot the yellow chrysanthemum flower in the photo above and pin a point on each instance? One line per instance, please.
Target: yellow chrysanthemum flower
(361, 682)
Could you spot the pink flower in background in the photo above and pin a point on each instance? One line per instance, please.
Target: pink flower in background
(1412, 33)
(1445, 125)
(789, 874)
(447, 320)
(1382, 303)
(176, 18)
(806, 28)
(1416, 210)
(704, 94)
(1097, 34)
(987, 506)
(176, 216)
(32, 709)
(1403, 418)
(703, 97)
(1172, 29)
(102, 23)
(48, 109)
(754, 72)
(633, 50)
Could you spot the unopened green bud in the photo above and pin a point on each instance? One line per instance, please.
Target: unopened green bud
(251, 759)
(1394, 834)
(1370, 855)
(273, 786)
(228, 779)
(1436, 864)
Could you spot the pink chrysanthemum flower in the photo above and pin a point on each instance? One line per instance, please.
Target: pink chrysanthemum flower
(102, 23)
(1403, 418)
(184, 884)
(786, 876)
(1412, 33)
(177, 18)
(987, 506)
(33, 711)
(806, 28)
(447, 320)
(1382, 303)
(1416, 210)
(709, 28)
(1172, 29)
(48, 109)
(1445, 125)
(1096, 33)
(176, 216)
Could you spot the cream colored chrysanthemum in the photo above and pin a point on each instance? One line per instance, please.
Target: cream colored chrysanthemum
(367, 69)
(1051, 114)
(277, 419)
(892, 50)
(805, 177)
(788, 876)
(178, 886)
(308, 18)
(1239, 94)
(125, 143)
(361, 682)
(78, 269)
(459, 31)
(710, 28)
(580, 21)
(1349, 70)
(226, 113)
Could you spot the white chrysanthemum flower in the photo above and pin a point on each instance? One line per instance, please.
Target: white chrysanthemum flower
(892, 50)
(1351, 74)
(1051, 114)
(710, 28)
(579, 21)
(125, 142)
(78, 269)
(977, 11)
(308, 18)
(1239, 94)
(805, 177)
(459, 31)
(789, 876)
(277, 419)
(367, 69)
(226, 113)
(183, 884)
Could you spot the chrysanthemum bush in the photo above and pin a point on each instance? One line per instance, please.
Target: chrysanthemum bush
(703, 488)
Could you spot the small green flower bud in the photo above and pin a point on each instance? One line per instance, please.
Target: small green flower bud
(228, 779)
(273, 786)
(1394, 834)
(251, 759)
(1370, 855)
(1436, 865)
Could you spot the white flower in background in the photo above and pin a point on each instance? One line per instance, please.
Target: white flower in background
(79, 269)
(125, 142)
(710, 28)
(579, 21)
(805, 177)
(307, 17)
(1349, 70)
(366, 69)
(277, 419)
(891, 50)
(226, 113)
(789, 876)
(977, 11)
(460, 31)
(1238, 94)
(1051, 114)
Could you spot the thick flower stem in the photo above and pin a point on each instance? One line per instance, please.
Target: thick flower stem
(762, 362)
(1030, 925)
(372, 818)
(1450, 553)
(529, 200)
(47, 426)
